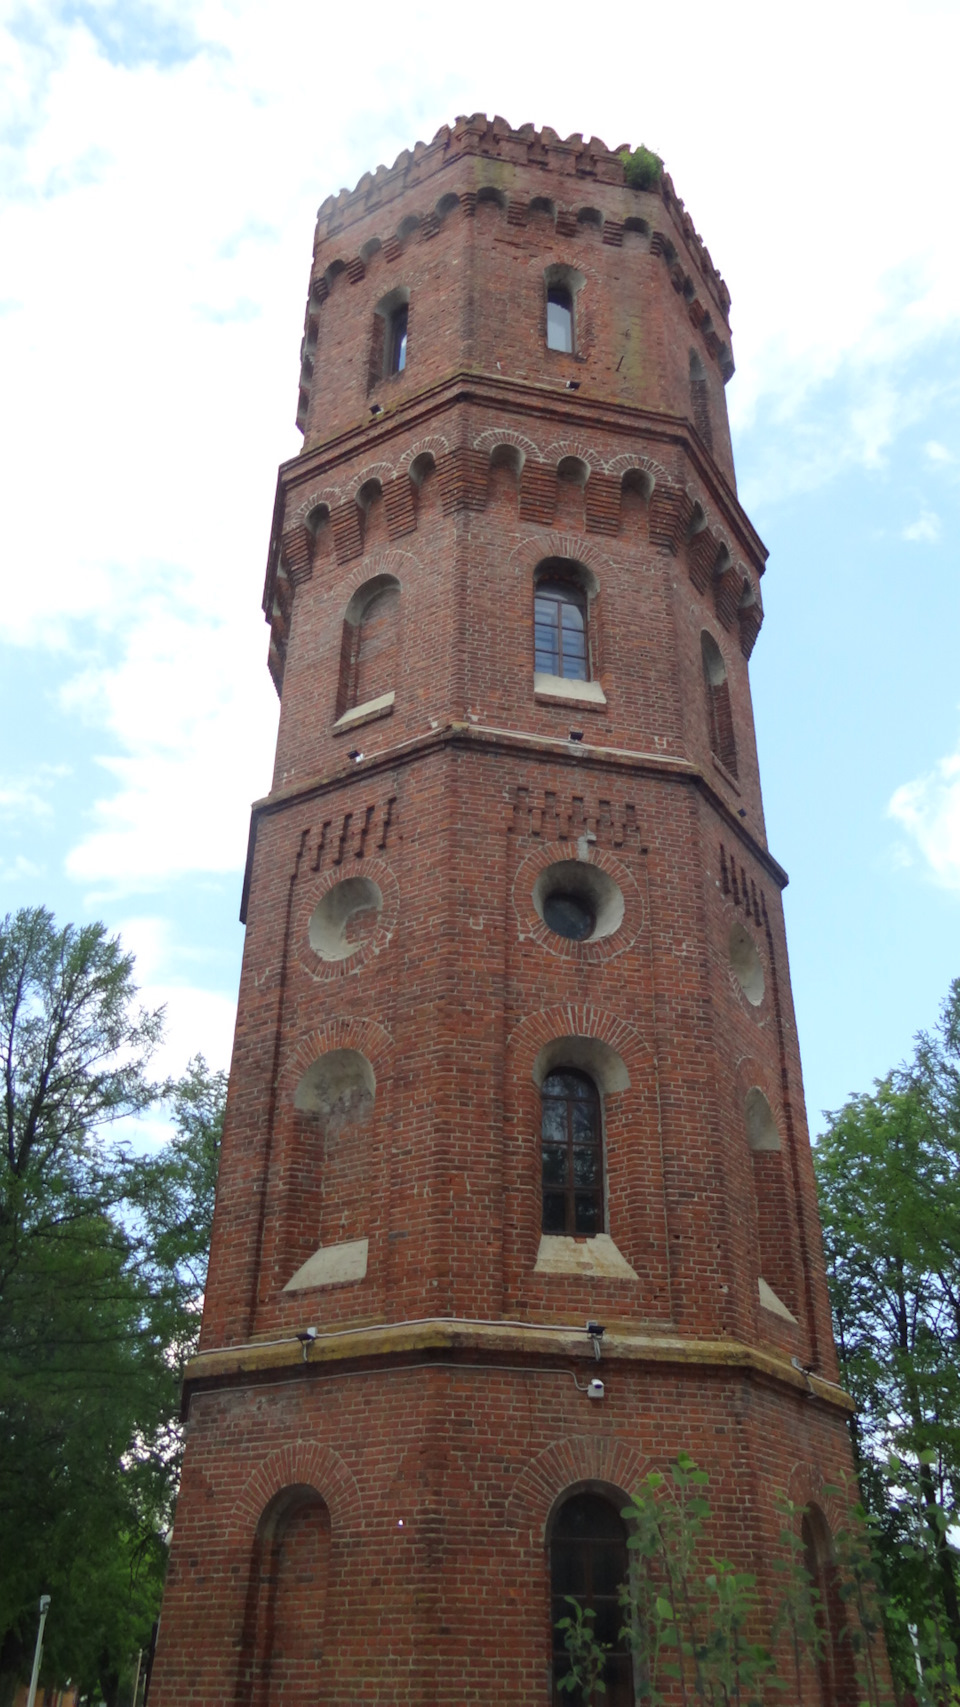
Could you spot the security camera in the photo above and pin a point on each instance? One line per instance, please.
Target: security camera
(595, 1389)
(306, 1335)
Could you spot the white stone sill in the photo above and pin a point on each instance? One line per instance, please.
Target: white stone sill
(331, 1265)
(559, 690)
(770, 1301)
(599, 1257)
(366, 713)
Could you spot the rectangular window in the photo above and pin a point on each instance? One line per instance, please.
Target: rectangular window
(397, 354)
(559, 319)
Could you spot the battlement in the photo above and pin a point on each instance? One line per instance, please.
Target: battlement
(495, 139)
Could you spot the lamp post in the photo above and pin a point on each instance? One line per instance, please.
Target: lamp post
(38, 1650)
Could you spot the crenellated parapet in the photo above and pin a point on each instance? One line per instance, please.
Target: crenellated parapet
(496, 140)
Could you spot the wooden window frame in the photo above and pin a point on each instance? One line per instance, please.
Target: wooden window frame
(580, 1220)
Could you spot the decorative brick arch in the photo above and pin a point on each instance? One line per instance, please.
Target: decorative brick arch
(367, 1036)
(806, 1487)
(579, 1019)
(750, 1074)
(382, 471)
(530, 552)
(329, 495)
(302, 1462)
(618, 466)
(488, 441)
(389, 562)
(560, 448)
(566, 1464)
(434, 443)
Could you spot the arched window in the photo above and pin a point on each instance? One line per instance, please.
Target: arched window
(397, 340)
(588, 1560)
(559, 318)
(719, 711)
(287, 1608)
(368, 656)
(571, 1133)
(775, 1245)
(388, 343)
(836, 1669)
(560, 627)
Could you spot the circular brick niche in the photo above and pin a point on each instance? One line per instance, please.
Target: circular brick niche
(582, 909)
(746, 965)
(347, 918)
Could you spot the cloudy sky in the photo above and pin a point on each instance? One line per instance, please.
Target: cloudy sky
(161, 169)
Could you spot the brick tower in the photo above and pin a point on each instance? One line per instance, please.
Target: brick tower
(516, 1197)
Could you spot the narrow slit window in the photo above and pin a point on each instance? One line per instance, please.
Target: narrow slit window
(560, 631)
(559, 319)
(397, 348)
(572, 1150)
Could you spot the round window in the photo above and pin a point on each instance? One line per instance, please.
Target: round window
(344, 916)
(569, 915)
(578, 900)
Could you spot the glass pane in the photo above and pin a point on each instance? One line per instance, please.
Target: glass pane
(563, 1084)
(555, 1168)
(586, 1167)
(573, 669)
(609, 1567)
(571, 616)
(568, 1572)
(554, 1212)
(589, 1515)
(606, 1625)
(559, 326)
(553, 1122)
(398, 340)
(584, 1125)
(569, 916)
(587, 1214)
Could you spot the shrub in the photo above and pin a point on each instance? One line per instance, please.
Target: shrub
(642, 169)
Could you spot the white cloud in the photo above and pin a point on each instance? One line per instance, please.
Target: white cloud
(937, 453)
(929, 811)
(925, 530)
(27, 796)
(198, 1020)
(194, 714)
(156, 238)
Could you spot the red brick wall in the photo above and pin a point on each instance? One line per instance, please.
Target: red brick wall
(466, 788)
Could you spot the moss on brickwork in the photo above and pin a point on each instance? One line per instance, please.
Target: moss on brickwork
(642, 169)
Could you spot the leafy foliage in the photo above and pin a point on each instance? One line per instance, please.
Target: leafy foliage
(642, 169)
(888, 1169)
(102, 1263)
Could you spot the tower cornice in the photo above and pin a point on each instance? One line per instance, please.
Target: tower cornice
(528, 400)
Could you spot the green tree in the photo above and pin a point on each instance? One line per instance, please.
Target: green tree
(888, 1169)
(101, 1275)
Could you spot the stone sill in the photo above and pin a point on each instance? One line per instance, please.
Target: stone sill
(770, 1301)
(366, 713)
(331, 1265)
(561, 1254)
(728, 776)
(559, 690)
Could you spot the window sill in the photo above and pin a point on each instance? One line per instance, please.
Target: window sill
(560, 690)
(728, 776)
(366, 713)
(331, 1265)
(561, 1254)
(770, 1301)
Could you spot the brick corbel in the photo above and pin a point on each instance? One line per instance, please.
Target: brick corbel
(399, 506)
(538, 492)
(702, 553)
(462, 475)
(601, 503)
(749, 618)
(727, 592)
(670, 512)
(347, 532)
(296, 554)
